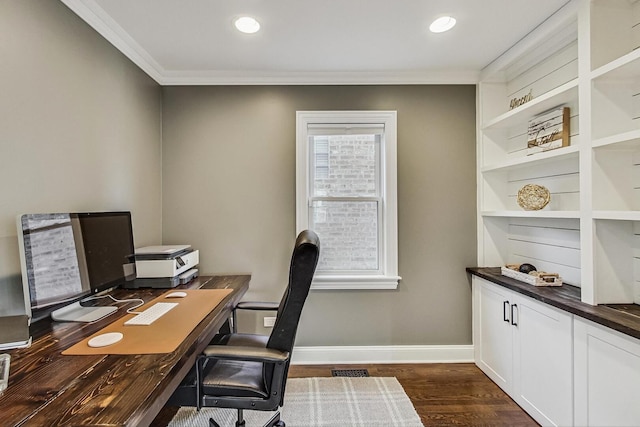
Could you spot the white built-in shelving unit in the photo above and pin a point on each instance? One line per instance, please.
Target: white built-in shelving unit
(584, 57)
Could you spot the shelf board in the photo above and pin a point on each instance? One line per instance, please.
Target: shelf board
(617, 215)
(624, 141)
(526, 161)
(532, 214)
(627, 66)
(560, 95)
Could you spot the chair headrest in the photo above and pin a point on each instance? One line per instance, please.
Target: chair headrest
(307, 237)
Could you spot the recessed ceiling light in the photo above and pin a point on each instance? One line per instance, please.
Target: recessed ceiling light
(247, 24)
(442, 24)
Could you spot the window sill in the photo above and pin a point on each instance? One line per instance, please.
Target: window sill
(345, 282)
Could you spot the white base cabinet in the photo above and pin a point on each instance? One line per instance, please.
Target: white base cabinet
(493, 345)
(607, 376)
(525, 347)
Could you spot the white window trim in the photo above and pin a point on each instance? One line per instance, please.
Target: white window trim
(389, 278)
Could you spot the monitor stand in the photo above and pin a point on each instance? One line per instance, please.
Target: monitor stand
(77, 313)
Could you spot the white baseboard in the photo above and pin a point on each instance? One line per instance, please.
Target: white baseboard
(382, 354)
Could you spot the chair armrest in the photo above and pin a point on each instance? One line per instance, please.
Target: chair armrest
(257, 305)
(252, 354)
(251, 305)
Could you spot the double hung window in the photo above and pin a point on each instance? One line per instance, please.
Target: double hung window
(346, 192)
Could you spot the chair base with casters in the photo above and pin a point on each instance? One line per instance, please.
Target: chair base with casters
(246, 371)
(274, 421)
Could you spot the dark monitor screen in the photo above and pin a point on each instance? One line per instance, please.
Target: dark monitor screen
(108, 247)
(66, 256)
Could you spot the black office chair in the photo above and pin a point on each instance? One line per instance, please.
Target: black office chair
(247, 371)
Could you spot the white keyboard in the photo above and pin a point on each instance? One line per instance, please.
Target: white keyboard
(151, 314)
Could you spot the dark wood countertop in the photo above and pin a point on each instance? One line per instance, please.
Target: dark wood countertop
(623, 318)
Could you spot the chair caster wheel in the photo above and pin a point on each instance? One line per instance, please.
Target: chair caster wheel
(280, 424)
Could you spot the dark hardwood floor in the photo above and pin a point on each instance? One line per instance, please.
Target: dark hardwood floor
(444, 394)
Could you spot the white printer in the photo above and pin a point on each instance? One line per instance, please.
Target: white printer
(165, 266)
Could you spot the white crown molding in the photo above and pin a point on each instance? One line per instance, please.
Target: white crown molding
(99, 20)
(243, 77)
(323, 355)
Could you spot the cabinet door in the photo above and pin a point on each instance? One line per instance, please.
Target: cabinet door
(494, 333)
(543, 361)
(607, 376)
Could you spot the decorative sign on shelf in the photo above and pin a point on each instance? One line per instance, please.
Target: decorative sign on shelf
(548, 131)
(516, 102)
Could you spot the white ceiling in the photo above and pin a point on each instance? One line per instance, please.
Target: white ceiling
(312, 42)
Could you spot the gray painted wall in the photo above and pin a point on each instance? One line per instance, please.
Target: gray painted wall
(79, 129)
(229, 190)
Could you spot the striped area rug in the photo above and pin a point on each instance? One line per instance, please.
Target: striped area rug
(324, 402)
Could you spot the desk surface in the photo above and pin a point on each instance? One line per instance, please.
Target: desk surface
(49, 389)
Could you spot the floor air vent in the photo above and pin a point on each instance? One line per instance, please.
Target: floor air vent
(349, 373)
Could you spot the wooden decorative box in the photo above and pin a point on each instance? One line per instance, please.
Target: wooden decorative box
(542, 280)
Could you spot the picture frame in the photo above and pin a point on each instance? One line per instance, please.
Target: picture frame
(548, 131)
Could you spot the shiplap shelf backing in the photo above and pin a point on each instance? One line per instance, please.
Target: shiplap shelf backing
(549, 238)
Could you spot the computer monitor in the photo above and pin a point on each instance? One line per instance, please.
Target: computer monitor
(68, 256)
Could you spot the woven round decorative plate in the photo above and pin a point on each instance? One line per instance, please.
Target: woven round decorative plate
(533, 197)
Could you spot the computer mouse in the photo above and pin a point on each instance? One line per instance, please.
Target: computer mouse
(176, 294)
(104, 340)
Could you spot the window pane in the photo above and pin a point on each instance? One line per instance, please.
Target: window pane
(349, 234)
(345, 166)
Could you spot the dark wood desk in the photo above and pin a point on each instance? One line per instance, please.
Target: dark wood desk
(49, 389)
